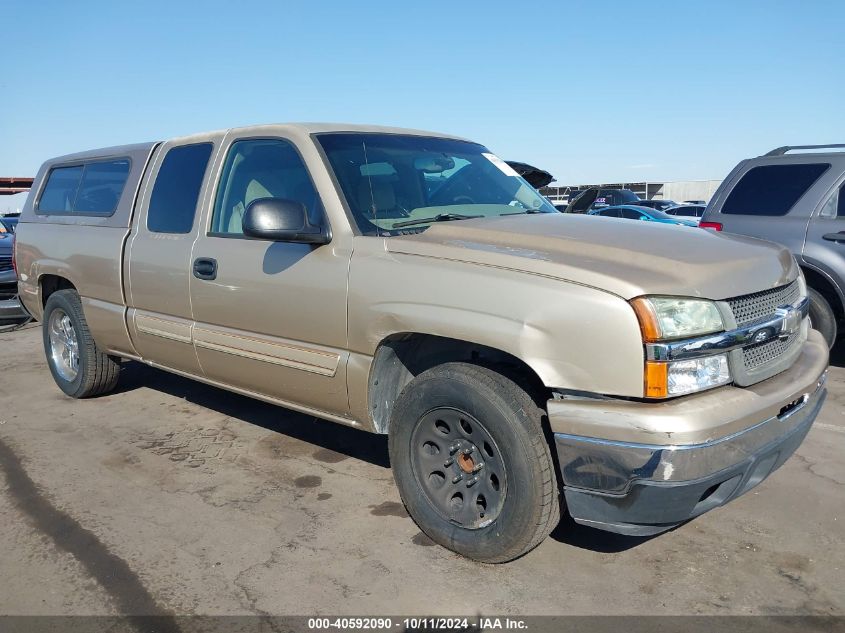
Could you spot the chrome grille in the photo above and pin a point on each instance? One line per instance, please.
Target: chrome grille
(754, 356)
(5, 263)
(749, 308)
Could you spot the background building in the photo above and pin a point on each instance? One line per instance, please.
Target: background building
(679, 191)
(14, 192)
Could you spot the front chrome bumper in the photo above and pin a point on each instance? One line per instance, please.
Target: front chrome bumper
(724, 443)
(12, 311)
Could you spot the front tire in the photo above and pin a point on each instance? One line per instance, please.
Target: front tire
(472, 463)
(822, 317)
(78, 366)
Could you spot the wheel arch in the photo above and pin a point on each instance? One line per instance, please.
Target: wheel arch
(50, 283)
(400, 357)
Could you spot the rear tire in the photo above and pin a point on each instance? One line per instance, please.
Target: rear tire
(457, 422)
(822, 316)
(79, 367)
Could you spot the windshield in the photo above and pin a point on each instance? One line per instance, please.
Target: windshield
(396, 184)
(8, 224)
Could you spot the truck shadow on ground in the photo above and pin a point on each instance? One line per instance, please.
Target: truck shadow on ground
(341, 439)
(571, 533)
(322, 434)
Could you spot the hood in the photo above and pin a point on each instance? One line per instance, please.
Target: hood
(6, 241)
(535, 176)
(619, 256)
(583, 201)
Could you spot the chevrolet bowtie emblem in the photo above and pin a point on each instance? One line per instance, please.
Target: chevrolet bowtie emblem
(790, 320)
(762, 335)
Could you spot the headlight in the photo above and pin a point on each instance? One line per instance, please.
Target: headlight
(672, 318)
(664, 318)
(679, 377)
(686, 376)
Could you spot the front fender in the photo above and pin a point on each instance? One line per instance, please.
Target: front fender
(572, 336)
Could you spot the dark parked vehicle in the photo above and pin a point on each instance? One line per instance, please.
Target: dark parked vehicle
(11, 311)
(660, 205)
(594, 198)
(8, 224)
(797, 200)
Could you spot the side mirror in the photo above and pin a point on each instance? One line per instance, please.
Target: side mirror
(281, 220)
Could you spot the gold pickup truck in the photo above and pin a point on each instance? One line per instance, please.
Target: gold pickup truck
(412, 284)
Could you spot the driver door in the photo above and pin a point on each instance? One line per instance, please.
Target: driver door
(270, 316)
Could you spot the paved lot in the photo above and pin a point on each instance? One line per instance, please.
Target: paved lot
(173, 497)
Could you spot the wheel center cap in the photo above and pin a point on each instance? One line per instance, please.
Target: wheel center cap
(465, 463)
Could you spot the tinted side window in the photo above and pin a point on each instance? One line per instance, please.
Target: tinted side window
(261, 168)
(772, 189)
(101, 187)
(60, 191)
(840, 205)
(834, 206)
(90, 189)
(173, 203)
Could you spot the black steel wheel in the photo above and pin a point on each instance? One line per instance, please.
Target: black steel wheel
(459, 467)
(472, 463)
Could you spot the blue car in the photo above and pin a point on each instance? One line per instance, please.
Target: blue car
(635, 212)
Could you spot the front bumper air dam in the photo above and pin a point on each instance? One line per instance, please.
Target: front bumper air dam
(686, 456)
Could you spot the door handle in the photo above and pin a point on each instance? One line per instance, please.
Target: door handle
(834, 237)
(205, 268)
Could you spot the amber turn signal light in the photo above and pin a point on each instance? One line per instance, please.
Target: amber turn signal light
(656, 384)
(647, 318)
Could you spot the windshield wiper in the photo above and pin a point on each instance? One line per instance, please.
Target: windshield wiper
(523, 212)
(440, 217)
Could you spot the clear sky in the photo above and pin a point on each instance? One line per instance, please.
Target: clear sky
(591, 91)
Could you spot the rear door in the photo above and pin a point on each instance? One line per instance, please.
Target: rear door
(824, 248)
(158, 258)
(270, 316)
